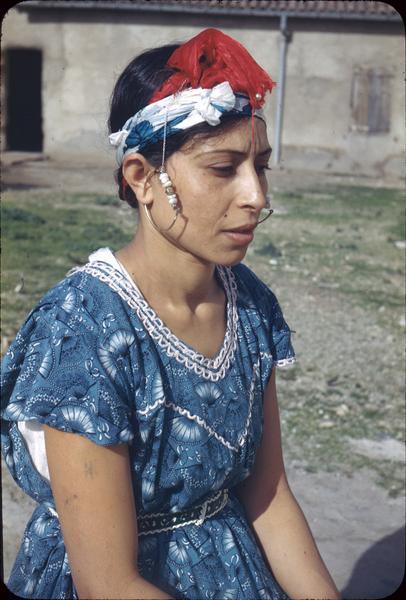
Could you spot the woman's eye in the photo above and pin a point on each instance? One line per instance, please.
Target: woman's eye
(227, 170)
(262, 168)
(223, 169)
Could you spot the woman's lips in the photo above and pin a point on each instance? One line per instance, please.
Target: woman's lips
(241, 235)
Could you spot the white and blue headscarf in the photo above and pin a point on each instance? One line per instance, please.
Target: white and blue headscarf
(176, 113)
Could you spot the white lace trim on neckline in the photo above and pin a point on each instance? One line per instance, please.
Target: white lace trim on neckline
(210, 368)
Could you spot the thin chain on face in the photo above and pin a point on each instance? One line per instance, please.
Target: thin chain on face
(267, 208)
(164, 177)
(164, 141)
(166, 184)
(270, 211)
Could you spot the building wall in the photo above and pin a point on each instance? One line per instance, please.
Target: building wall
(319, 124)
(84, 52)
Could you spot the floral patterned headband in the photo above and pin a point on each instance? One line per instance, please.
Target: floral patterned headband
(176, 113)
(214, 75)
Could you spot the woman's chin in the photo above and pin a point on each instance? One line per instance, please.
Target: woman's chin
(229, 259)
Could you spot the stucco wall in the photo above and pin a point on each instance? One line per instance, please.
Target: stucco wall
(84, 51)
(318, 120)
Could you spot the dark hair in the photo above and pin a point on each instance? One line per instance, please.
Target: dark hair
(132, 92)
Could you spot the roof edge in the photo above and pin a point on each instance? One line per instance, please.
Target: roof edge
(102, 5)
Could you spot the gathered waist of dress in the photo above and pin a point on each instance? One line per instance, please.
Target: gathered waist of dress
(159, 522)
(195, 515)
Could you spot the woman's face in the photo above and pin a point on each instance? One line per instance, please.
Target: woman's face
(221, 185)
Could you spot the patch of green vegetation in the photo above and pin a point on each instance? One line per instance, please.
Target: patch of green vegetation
(315, 428)
(107, 200)
(397, 230)
(338, 237)
(374, 298)
(43, 236)
(268, 249)
(326, 448)
(15, 214)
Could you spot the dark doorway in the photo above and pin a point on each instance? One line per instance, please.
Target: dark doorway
(24, 109)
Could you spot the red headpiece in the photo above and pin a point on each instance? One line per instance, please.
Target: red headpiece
(212, 57)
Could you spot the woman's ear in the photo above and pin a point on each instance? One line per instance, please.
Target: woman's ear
(137, 172)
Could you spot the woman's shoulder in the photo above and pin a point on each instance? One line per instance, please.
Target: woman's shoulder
(70, 364)
(73, 349)
(245, 274)
(80, 304)
(256, 296)
(77, 300)
(251, 289)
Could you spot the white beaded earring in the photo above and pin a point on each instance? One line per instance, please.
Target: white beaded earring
(168, 187)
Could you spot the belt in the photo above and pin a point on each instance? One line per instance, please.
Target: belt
(195, 515)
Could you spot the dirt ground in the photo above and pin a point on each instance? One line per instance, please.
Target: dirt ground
(359, 528)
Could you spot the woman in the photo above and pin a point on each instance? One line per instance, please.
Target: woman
(161, 357)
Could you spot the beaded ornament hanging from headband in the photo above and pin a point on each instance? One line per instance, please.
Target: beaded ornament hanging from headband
(214, 75)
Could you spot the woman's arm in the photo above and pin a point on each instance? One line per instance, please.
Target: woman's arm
(278, 520)
(93, 494)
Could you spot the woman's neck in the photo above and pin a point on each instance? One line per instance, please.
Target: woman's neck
(161, 270)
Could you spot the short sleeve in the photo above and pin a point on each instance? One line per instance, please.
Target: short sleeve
(281, 345)
(67, 371)
(265, 314)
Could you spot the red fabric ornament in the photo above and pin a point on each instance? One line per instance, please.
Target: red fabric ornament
(212, 57)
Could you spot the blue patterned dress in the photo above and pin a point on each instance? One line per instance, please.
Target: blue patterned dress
(94, 358)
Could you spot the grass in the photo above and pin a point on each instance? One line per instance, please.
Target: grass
(331, 256)
(344, 239)
(44, 235)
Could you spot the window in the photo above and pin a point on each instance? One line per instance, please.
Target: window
(370, 101)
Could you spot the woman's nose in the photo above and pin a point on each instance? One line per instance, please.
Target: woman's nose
(252, 194)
